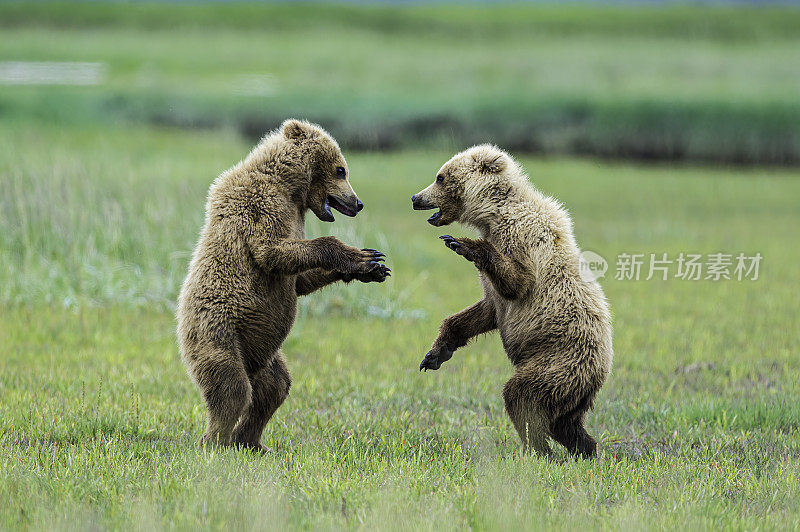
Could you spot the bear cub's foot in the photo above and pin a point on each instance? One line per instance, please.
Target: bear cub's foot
(435, 357)
(255, 448)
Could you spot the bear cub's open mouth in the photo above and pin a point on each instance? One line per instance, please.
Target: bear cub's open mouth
(337, 204)
(435, 217)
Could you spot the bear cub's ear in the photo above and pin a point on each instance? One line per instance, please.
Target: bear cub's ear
(296, 129)
(489, 162)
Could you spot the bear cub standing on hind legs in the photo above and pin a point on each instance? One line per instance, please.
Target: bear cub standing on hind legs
(555, 325)
(239, 299)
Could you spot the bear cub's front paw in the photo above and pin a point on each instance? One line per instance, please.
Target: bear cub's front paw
(435, 357)
(355, 262)
(377, 274)
(461, 246)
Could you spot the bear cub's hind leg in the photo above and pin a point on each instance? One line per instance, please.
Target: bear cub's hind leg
(270, 388)
(569, 431)
(528, 418)
(227, 393)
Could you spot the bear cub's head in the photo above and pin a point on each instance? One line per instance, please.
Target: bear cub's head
(329, 186)
(470, 182)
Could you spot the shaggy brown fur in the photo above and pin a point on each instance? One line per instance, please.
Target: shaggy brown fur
(239, 299)
(555, 326)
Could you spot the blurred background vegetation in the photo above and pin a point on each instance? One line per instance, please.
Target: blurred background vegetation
(657, 81)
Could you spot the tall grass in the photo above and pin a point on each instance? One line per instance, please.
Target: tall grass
(119, 226)
(93, 230)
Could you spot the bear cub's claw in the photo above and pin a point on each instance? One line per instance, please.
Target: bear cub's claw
(374, 252)
(435, 358)
(362, 262)
(372, 271)
(459, 247)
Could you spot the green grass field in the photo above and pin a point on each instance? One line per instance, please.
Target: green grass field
(697, 426)
(102, 190)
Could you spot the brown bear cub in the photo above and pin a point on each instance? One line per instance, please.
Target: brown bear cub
(239, 299)
(555, 325)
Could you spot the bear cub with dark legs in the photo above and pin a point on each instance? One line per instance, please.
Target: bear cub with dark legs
(252, 261)
(554, 323)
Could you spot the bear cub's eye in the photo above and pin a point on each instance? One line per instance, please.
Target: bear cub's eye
(340, 173)
(439, 178)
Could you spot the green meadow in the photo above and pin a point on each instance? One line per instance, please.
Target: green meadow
(102, 191)
(697, 426)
